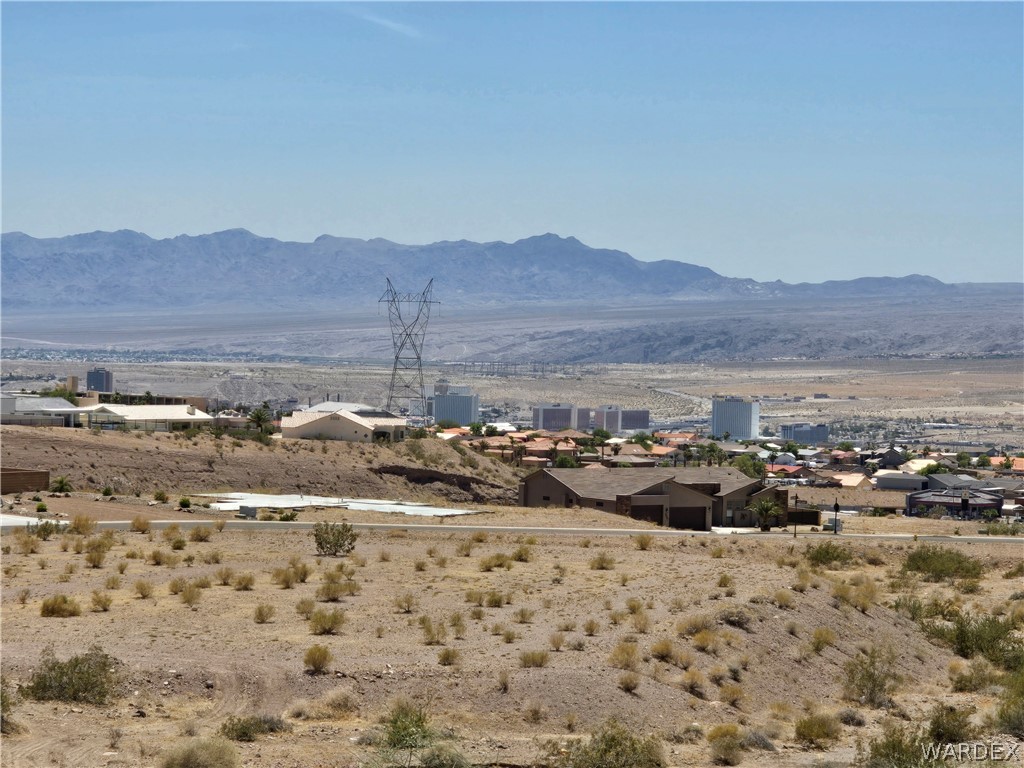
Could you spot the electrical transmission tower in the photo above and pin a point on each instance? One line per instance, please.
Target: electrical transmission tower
(408, 313)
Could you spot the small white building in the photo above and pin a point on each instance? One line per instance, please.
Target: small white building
(362, 427)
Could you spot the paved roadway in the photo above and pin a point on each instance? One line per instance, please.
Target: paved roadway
(297, 525)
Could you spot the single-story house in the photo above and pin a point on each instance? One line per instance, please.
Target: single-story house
(894, 480)
(969, 502)
(363, 427)
(690, 497)
(151, 418)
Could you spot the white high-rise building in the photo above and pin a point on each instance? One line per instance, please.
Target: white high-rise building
(739, 416)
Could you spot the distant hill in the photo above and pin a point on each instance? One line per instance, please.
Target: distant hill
(542, 298)
(115, 270)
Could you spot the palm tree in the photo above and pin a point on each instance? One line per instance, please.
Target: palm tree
(687, 455)
(260, 417)
(765, 509)
(61, 485)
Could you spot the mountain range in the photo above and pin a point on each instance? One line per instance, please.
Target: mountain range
(540, 298)
(116, 270)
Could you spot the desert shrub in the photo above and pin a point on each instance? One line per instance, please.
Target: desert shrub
(1016, 572)
(871, 677)
(726, 744)
(664, 650)
(533, 659)
(160, 496)
(284, 577)
(849, 716)
(8, 700)
(443, 756)
(602, 562)
(243, 582)
(175, 585)
(629, 681)
(783, 598)
(708, 641)
(190, 595)
(201, 753)
(433, 633)
(725, 580)
(643, 541)
(140, 524)
(324, 622)
(249, 727)
(264, 612)
(942, 563)
(590, 627)
(407, 726)
(406, 602)
(610, 746)
(185, 502)
(446, 657)
(60, 606)
(821, 638)
(977, 675)
(95, 557)
(317, 658)
(988, 636)
(523, 554)
(818, 730)
(178, 544)
(200, 533)
(495, 599)
(949, 725)
(732, 694)
(101, 601)
(693, 683)
(333, 539)
(81, 525)
(1010, 714)
(497, 560)
(144, 589)
(224, 575)
(625, 656)
(898, 747)
(827, 553)
(523, 615)
(88, 677)
(113, 582)
(691, 625)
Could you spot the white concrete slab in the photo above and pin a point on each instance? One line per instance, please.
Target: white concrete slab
(231, 502)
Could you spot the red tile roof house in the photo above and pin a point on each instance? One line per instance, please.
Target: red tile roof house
(690, 498)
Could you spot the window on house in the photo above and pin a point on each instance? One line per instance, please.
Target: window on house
(545, 498)
(600, 503)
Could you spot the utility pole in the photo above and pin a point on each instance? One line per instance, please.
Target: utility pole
(408, 314)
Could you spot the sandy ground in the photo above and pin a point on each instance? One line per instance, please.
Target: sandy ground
(188, 670)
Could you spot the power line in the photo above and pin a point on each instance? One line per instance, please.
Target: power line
(408, 330)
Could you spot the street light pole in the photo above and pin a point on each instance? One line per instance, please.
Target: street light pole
(796, 508)
(835, 520)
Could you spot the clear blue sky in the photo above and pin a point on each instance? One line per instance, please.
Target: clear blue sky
(802, 142)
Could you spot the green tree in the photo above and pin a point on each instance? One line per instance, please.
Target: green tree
(476, 428)
(984, 461)
(601, 434)
(447, 424)
(963, 459)
(63, 392)
(260, 418)
(566, 462)
(749, 465)
(687, 454)
(490, 430)
(643, 439)
(765, 510)
(1007, 463)
(846, 445)
(934, 469)
(61, 484)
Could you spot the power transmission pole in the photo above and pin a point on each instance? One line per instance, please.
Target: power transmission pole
(408, 313)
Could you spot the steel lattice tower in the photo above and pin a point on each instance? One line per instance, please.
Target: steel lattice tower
(408, 329)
